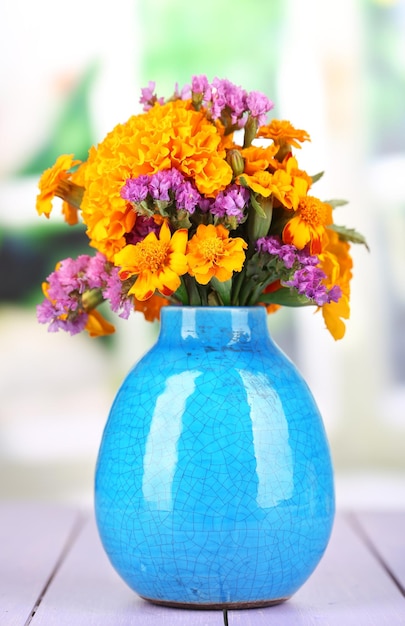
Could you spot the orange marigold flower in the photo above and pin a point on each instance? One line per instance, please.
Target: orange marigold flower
(282, 132)
(50, 185)
(69, 212)
(307, 226)
(260, 182)
(286, 188)
(257, 158)
(97, 325)
(169, 135)
(151, 307)
(301, 180)
(211, 252)
(336, 262)
(158, 263)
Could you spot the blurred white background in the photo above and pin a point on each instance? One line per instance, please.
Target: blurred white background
(336, 69)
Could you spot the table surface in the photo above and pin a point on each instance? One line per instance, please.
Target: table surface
(53, 571)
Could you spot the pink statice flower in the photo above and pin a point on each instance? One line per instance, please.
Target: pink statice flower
(229, 99)
(136, 189)
(65, 306)
(148, 97)
(259, 105)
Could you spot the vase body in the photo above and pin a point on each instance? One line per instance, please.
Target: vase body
(214, 483)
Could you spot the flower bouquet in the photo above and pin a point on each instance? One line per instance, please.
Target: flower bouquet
(198, 200)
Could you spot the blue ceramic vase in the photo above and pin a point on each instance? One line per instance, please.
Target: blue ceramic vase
(214, 483)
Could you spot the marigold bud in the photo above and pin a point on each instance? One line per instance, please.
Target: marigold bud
(260, 218)
(236, 161)
(91, 299)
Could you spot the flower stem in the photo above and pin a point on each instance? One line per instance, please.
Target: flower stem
(237, 283)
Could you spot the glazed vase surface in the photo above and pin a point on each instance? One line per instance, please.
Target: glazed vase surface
(214, 483)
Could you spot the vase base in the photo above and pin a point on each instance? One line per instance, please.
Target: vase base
(257, 604)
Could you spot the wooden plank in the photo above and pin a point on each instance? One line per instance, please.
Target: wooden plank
(32, 539)
(86, 591)
(385, 530)
(350, 587)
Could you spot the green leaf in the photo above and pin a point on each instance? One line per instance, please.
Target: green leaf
(257, 206)
(316, 177)
(335, 203)
(260, 218)
(286, 297)
(254, 201)
(223, 289)
(349, 234)
(181, 293)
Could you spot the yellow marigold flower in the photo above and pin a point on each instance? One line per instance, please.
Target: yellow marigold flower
(307, 226)
(337, 264)
(157, 262)
(50, 186)
(282, 132)
(211, 252)
(97, 325)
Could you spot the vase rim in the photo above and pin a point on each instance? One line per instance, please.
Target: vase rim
(217, 308)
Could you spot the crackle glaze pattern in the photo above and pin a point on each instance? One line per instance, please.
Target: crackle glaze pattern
(214, 483)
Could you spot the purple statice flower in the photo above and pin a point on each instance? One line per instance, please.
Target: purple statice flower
(165, 181)
(285, 252)
(205, 204)
(163, 186)
(226, 95)
(136, 189)
(160, 184)
(143, 226)
(305, 276)
(187, 197)
(308, 281)
(259, 105)
(226, 100)
(305, 258)
(231, 202)
(148, 97)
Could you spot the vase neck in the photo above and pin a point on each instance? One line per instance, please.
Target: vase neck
(217, 327)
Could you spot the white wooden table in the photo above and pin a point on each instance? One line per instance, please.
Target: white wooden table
(53, 571)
